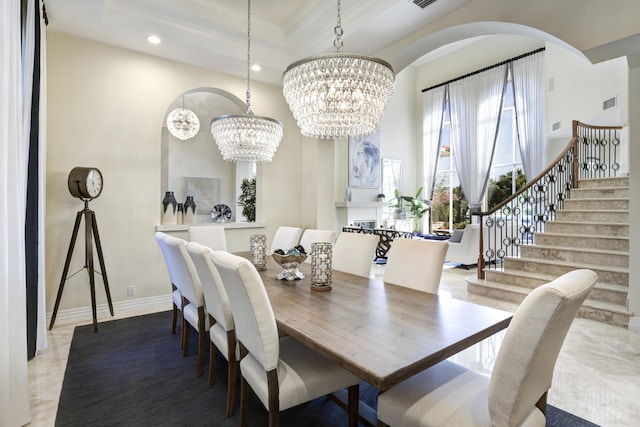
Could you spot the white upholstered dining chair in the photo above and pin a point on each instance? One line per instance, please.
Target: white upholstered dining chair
(448, 394)
(354, 252)
(222, 336)
(310, 236)
(211, 236)
(193, 312)
(282, 372)
(286, 238)
(176, 296)
(416, 263)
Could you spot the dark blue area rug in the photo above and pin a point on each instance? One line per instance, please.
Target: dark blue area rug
(132, 373)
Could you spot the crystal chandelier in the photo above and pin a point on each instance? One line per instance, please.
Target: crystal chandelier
(246, 137)
(338, 94)
(183, 123)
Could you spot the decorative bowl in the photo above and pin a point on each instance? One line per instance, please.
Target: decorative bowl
(289, 264)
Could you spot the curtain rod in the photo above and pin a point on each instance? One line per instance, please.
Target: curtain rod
(515, 58)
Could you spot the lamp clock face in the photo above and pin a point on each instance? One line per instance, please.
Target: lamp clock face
(85, 183)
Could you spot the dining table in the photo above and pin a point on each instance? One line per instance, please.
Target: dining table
(381, 332)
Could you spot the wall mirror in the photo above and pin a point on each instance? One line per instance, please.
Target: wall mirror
(195, 165)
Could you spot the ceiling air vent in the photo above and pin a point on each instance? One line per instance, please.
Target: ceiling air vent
(423, 3)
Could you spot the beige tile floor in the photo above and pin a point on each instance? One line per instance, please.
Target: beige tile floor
(597, 375)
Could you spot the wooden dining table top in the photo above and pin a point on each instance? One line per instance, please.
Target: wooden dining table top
(380, 332)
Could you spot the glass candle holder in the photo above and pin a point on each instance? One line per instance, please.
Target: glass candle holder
(321, 256)
(258, 248)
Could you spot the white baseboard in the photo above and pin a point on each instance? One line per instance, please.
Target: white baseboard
(120, 309)
(634, 323)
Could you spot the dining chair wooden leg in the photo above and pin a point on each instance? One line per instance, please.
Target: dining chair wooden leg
(186, 331)
(354, 402)
(201, 337)
(274, 398)
(174, 320)
(231, 372)
(244, 401)
(542, 404)
(212, 363)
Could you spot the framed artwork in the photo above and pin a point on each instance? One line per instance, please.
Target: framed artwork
(391, 177)
(205, 192)
(364, 161)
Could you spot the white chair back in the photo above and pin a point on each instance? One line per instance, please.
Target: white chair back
(176, 296)
(524, 366)
(416, 263)
(216, 300)
(171, 268)
(253, 316)
(354, 252)
(212, 236)
(185, 273)
(311, 236)
(515, 394)
(286, 238)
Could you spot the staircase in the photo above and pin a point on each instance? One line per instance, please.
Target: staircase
(592, 231)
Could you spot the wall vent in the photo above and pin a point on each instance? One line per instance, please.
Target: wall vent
(555, 126)
(423, 3)
(611, 102)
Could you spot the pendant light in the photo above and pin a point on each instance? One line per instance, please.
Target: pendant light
(338, 94)
(183, 123)
(247, 137)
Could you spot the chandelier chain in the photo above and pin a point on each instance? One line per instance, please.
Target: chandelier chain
(248, 56)
(337, 43)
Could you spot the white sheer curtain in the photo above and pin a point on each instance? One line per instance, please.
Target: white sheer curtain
(475, 103)
(527, 75)
(433, 112)
(14, 384)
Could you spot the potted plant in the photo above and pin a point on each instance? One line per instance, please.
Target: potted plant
(418, 207)
(248, 199)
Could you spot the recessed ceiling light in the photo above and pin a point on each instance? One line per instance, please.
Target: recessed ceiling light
(256, 67)
(153, 39)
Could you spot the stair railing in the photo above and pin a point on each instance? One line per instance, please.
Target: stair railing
(593, 152)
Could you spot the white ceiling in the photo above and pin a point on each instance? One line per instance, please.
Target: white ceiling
(213, 33)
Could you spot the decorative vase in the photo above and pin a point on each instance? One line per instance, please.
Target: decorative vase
(258, 249)
(417, 223)
(180, 213)
(169, 209)
(189, 211)
(321, 256)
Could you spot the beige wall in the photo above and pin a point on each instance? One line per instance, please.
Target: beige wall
(106, 108)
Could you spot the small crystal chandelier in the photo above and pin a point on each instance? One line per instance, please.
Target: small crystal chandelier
(183, 123)
(246, 137)
(338, 94)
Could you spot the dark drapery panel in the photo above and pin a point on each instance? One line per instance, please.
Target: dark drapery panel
(31, 220)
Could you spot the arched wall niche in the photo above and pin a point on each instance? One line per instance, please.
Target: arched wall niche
(197, 161)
